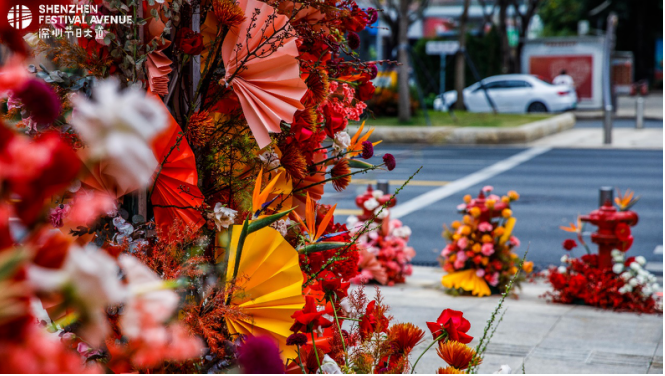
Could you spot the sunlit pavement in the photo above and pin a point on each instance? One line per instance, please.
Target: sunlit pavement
(545, 337)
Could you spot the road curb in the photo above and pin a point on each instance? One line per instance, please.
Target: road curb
(472, 135)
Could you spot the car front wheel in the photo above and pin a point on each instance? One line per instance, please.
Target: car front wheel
(537, 107)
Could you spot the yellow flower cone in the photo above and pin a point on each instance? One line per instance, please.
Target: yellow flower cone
(466, 280)
(270, 282)
(510, 225)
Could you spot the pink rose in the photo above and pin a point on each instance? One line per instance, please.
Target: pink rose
(495, 279)
(458, 264)
(461, 256)
(515, 241)
(488, 188)
(487, 249)
(485, 227)
(480, 273)
(462, 243)
(446, 251)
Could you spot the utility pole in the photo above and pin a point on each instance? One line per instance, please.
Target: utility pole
(404, 106)
(607, 78)
(459, 57)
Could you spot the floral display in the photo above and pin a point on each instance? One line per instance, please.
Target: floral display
(621, 284)
(159, 195)
(385, 256)
(480, 257)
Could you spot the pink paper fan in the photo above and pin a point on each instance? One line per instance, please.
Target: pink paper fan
(262, 69)
(369, 265)
(159, 67)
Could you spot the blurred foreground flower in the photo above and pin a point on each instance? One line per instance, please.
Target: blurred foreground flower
(118, 126)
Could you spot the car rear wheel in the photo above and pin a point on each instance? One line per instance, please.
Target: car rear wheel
(537, 107)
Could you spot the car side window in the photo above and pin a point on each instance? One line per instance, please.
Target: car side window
(518, 84)
(494, 85)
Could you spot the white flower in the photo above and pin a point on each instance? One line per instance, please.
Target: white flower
(329, 366)
(351, 220)
(625, 276)
(564, 258)
(635, 266)
(640, 279)
(377, 194)
(633, 282)
(504, 369)
(655, 287)
(270, 159)
(223, 216)
(92, 276)
(282, 226)
(402, 232)
(616, 253)
(622, 290)
(341, 142)
(617, 268)
(646, 291)
(149, 299)
(371, 204)
(351, 312)
(641, 260)
(380, 214)
(562, 269)
(118, 127)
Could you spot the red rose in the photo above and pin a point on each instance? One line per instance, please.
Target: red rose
(569, 244)
(365, 91)
(622, 232)
(189, 41)
(454, 324)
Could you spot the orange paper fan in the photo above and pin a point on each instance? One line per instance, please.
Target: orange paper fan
(176, 191)
(263, 70)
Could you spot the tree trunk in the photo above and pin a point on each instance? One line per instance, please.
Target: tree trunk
(404, 106)
(459, 58)
(503, 34)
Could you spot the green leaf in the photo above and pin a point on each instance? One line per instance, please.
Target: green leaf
(356, 163)
(267, 221)
(9, 263)
(241, 243)
(322, 246)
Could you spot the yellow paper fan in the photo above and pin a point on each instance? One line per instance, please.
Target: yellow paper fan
(270, 282)
(466, 280)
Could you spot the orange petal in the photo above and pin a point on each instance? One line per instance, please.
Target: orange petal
(324, 222)
(257, 192)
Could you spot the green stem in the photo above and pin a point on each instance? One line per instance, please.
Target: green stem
(302, 367)
(341, 336)
(442, 336)
(316, 352)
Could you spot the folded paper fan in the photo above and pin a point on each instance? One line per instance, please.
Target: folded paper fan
(176, 191)
(270, 283)
(107, 176)
(159, 67)
(466, 280)
(261, 66)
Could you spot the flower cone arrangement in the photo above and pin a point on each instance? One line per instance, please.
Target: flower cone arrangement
(479, 257)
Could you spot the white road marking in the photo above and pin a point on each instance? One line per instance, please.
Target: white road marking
(438, 194)
(658, 250)
(654, 267)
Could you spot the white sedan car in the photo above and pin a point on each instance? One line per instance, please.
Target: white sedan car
(513, 93)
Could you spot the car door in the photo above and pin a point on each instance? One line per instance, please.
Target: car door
(516, 95)
(476, 100)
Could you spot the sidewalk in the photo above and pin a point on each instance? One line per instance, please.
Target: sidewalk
(622, 138)
(546, 337)
(653, 108)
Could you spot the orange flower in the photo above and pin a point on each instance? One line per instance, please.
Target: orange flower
(228, 12)
(513, 195)
(448, 371)
(405, 337)
(506, 213)
(456, 354)
(310, 219)
(528, 267)
(355, 147)
(467, 198)
(625, 201)
(200, 129)
(455, 224)
(573, 228)
(340, 173)
(475, 212)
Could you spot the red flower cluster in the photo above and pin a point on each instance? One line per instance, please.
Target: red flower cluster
(583, 281)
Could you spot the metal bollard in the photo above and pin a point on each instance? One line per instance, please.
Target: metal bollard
(606, 194)
(639, 113)
(383, 186)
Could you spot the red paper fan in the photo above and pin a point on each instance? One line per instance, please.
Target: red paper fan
(176, 191)
(262, 68)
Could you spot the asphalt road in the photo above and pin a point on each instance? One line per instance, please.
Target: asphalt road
(618, 123)
(555, 187)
